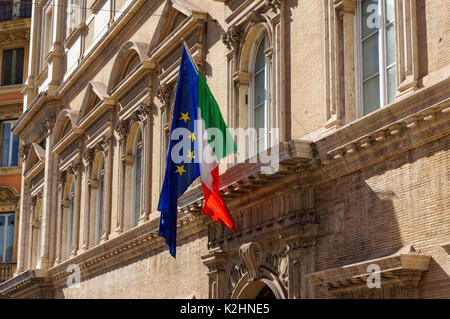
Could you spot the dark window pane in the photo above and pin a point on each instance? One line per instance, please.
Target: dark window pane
(7, 67)
(19, 66)
(15, 151)
(10, 239)
(6, 144)
(2, 237)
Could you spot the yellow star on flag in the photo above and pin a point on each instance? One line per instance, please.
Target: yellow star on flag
(185, 117)
(192, 136)
(180, 170)
(191, 156)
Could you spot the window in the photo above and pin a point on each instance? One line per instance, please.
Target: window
(73, 15)
(137, 178)
(377, 54)
(70, 219)
(100, 202)
(12, 70)
(6, 237)
(46, 35)
(260, 96)
(9, 147)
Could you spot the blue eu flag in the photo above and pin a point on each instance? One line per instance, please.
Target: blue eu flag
(179, 176)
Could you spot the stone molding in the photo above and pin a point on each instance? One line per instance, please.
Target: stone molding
(406, 265)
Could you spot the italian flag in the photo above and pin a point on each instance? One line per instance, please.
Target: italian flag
(210, 117)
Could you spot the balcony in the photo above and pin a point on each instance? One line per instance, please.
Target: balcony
(6, 271)
(13, 10)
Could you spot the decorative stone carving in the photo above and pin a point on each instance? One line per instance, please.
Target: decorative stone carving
(232, 37)
(75, 168)
(62, 178)
(89, 156)
(236, 273)
(251, 256)
(6, 196)
(47, 127)
(275, 5)
(14, 36)
(123, 128)
(164, 94)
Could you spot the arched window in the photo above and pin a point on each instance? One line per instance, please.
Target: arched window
(100, 202)
(137, 179)
(260, 93)
(70, 219)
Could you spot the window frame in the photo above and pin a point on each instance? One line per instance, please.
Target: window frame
(100, 205)
(70, 218)
(382, 56)
(2, 52)
(138, 145)
(3, 260)
(46, 37)
(11, 145)
(260, 38)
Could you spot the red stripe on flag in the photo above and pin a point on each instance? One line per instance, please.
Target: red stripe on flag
(213, 204)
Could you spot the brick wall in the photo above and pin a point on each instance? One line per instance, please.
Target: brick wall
(402, 200)
(433, 31)
(154, 275)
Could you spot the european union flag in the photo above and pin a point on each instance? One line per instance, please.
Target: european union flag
(179, 176)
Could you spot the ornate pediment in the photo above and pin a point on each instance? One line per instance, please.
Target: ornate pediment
(35, 155)
(180, 19)
(7, 195)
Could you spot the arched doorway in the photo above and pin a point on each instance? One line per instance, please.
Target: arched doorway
(266, 294)
(263, 289)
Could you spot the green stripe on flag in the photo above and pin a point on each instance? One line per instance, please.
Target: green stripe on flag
(212, 116)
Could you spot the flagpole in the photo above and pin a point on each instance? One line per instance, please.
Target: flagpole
(190, 55)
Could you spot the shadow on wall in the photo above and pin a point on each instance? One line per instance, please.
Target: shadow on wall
(422, 37)
(435, 283)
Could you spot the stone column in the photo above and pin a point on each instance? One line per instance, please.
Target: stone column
(22, 216)
(165, 97)
(76, 168)
(123, 130)
(44, 260)
(29, 222)
(59, 217)
(147, 163)
(346, 12)
(216, 263)
(407, 45)
(88, 159)
(107, 149)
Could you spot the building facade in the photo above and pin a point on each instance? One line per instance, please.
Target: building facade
(14, 45)
(348, 187)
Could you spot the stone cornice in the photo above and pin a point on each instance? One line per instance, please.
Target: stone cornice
(132, 244)
(23, 281)
(408, 123)
(100, 45)
(35, 108)
(406, 262)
